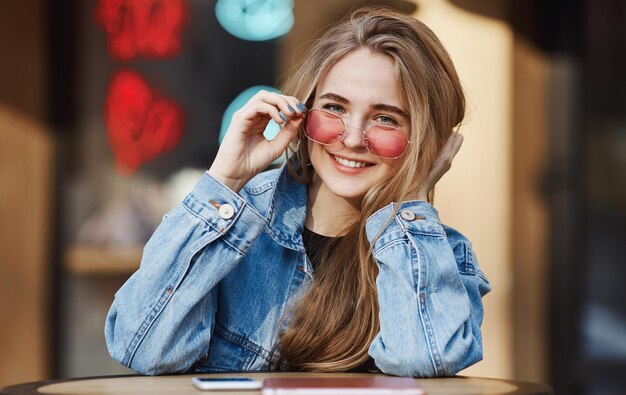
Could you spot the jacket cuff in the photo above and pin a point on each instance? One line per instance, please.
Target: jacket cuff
(225, 211)
(392, 222)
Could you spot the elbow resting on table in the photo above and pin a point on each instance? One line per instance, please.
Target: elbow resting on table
(153, 368)
(412, 367)
(154, 364)
(420, 362)
(146, 359)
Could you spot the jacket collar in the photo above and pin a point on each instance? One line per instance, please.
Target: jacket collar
(287, 210)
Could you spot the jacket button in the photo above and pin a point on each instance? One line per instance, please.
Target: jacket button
(226, 211)
(407, 214)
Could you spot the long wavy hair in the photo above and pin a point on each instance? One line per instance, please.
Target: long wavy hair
(334, 322)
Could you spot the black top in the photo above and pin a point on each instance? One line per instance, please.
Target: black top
(317, 245)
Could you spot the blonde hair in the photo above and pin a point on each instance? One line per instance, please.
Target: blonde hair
(343, 290)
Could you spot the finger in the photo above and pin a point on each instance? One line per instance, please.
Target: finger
(444, 162)
(297, 104)
(286, 135)
(449, 151)
(279, 101)
(265, 108)
(294, 104)
(455, 142)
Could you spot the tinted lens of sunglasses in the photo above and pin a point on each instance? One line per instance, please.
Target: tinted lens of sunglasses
(386, 141)
(323, 127)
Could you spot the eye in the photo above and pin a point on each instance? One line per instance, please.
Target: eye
(332, 107)
(386, 120)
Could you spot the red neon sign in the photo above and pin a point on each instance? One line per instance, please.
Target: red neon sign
(141, 125)
(148, 28)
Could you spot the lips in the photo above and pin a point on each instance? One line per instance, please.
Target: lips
(350, 163)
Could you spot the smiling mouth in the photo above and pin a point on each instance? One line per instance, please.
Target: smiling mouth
(351, 163)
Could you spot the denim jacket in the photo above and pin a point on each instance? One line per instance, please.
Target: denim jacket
(222, 268)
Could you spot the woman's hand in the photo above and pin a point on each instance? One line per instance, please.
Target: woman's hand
(441, 165)
(245, 152)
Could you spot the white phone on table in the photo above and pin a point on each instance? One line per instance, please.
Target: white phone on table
(226, 383)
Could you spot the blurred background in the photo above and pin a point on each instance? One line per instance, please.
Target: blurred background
(111, 109)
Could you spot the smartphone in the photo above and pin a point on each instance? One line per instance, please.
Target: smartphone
(226, 383)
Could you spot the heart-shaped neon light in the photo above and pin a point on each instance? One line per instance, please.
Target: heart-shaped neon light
(148, 28)
(140, 124)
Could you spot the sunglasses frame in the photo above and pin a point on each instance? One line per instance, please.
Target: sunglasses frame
(345, 129)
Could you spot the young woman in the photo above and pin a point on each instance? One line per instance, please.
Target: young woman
(337, 261)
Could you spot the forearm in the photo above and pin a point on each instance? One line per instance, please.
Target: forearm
(162, 318)
(430, 324)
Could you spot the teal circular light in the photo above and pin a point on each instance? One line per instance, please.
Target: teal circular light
(272, 128)
(255, 20)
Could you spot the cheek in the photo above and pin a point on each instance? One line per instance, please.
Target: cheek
(390, 145)
(390, 165)
(311, 147)
(316, 153)
(324, 129)
(387, 169)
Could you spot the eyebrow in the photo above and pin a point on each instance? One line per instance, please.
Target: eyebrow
(379, 106)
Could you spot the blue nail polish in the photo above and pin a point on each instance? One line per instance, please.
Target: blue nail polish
(291, 109)
(301, 107)
(283, 117)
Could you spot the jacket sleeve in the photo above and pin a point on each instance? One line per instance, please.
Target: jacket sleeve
(162, 318)
(429, 292)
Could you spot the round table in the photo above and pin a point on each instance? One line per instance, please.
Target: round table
(181, 384)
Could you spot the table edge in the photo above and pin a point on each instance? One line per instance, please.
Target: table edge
(30, 387)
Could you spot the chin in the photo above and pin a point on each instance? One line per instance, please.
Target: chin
(348, 191)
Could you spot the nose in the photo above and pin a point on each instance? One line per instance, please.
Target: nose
(353, 136)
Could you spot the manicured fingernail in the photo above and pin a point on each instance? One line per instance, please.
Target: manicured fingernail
(291, 109)
(301, 107)
(283, 117)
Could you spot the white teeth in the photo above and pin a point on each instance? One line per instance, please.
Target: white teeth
(349, 163)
